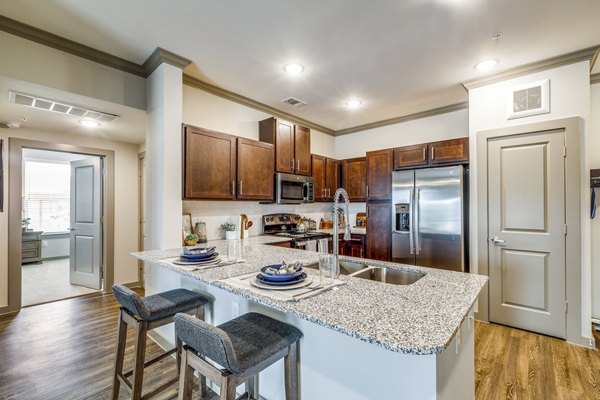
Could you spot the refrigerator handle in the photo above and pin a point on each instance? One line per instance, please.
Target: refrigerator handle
(416, 222)
(410, 225)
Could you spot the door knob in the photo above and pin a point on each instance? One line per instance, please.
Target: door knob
(496, 240)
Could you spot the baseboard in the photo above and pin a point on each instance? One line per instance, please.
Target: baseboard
(132, 285)
(55, 258)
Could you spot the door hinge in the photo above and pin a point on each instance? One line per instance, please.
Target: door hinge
(564, 151)
(565, 229)
(101, 220)
(566, 307)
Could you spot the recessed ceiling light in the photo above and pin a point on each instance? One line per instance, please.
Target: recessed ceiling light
(354, 103)
(487, 64)
(89, 123)
(293, 68)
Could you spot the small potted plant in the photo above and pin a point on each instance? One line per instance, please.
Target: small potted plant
(229, 230)
(191, 239)
(25, 224)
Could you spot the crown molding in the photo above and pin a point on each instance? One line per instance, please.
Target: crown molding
(237, 98)
(588, 54)
(68, 46)
(404, 118)
(595, 78)
(160, 56)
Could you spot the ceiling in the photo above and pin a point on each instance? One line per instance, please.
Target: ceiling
(128, 128)
(399, 57)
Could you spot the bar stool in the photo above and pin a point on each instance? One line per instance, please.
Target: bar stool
(144, 314)
(244, 346)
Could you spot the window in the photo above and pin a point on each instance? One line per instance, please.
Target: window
(46, 190)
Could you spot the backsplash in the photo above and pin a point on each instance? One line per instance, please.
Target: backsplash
(215, 213)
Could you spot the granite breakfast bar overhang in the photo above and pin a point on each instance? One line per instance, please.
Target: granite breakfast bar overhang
(365, 340)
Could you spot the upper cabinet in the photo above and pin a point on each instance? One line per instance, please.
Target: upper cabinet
(254, 170)
(292, 145)
(325, 172)
(209, 161)
(449, 151)
(454, 151)
(218, 166)
(379, 174)
(354, 178)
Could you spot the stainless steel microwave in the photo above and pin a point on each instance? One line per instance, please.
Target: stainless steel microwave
(294, 189)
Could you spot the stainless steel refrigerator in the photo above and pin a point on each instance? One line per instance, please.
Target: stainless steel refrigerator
(428, 227)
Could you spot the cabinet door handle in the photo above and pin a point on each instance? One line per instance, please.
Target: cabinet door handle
(233, 188)
(432, 152)
(293, 164)
(367, 190)
(298, 165)
(425, 152)
(241, 187)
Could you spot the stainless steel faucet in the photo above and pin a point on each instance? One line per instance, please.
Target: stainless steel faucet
(336, 237)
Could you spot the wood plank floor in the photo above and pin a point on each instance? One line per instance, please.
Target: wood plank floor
(65, 350)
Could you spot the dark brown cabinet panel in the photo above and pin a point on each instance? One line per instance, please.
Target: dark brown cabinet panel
(354, 178)
(318, 173)
(449, 151)
(379, 174)
(332, 177)
(379, 235)
(282, 244)
(292, 145)
(355, 247)
(209, 160)
(302, 150)
(326, 175)
(410, 156)
(254, 170)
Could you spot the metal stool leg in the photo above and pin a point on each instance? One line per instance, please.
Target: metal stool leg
(292, 372)
(121, 341)
(140, 355)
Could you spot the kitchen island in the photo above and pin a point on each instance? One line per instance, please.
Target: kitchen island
(362, 340)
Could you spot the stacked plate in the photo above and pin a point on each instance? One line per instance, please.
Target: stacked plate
(267, 279)
(198, 258)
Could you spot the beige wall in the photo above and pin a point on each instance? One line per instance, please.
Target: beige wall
(32, 62)
(438, 127)
(126, 201)
(570, 97)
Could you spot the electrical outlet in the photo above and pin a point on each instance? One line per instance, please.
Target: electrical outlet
(235, 309)
(44, 243)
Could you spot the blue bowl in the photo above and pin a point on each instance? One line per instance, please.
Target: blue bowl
(265, 276)
(199, 257)
(297, 279)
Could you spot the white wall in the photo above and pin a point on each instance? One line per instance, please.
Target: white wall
(126, 201)
(54, 246)
(438, 127)
(208, 111)
(594, 154)
(570, 96)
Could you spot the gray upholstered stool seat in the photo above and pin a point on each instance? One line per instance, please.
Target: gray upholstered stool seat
(144, 314)
(243, 346)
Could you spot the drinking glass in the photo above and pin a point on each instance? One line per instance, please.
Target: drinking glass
(200, 230)
(326, 266)
(323, 246)
(234, 250)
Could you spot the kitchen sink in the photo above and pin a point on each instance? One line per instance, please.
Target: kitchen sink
(346, 267)
(388, 275)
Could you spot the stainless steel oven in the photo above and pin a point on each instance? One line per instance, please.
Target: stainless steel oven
(294, 189)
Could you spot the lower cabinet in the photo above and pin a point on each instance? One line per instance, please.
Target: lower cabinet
(379, 236)
(282, 244)
(355, 247)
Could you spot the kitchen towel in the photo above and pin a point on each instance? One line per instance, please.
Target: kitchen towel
(243, 282)
(311, 245)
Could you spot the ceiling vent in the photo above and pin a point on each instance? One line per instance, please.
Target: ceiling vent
(58, 107)
(294, 102)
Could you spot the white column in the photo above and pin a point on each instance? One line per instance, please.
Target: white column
(164, 94)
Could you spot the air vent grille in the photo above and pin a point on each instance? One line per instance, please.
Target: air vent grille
(61, 108)
(294, 102)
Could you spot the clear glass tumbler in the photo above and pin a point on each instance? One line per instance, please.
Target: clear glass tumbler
(234, 250)
(326, 269)
(323, 246)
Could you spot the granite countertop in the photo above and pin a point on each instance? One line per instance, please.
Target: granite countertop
(421, 318)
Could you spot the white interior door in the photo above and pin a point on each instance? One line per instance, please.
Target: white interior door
(526, 220)
(86, 228)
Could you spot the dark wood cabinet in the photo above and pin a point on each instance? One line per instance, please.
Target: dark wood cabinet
(453, 151)
(379, 174)
(318, 173)
(449, 151)
(355, 247)
(292, 145)
(209, 164)
(287, 244)
(326, 175)
(254, 170)
(302, 150)
(354, 178)
(379, 234)
(410, 156)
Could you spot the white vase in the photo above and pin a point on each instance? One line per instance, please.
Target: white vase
(230, 235)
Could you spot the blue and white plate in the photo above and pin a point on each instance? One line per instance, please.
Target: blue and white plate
(298, 279)
(199, 257)
(278, 277)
